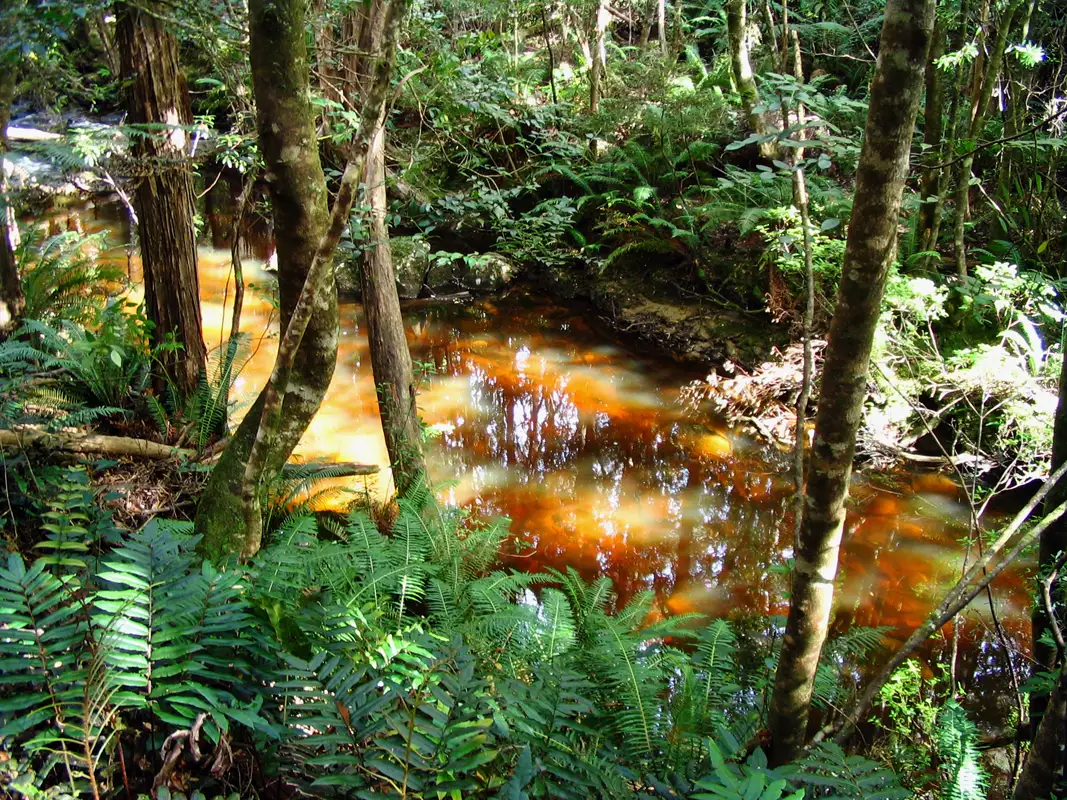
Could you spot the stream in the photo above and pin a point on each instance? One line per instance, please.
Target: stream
(542, 415)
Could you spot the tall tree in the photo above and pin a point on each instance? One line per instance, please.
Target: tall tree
(870, 250)
(158, 102)
(741, 69)
(287, 139)
(12, 301)
(985, 84)
(390, 358)
(230, 516)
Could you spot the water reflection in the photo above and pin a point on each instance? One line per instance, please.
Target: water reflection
(584, 445)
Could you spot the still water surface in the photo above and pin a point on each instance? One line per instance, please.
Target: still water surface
(584, 444)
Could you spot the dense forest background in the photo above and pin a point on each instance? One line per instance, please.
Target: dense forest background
(850, 218)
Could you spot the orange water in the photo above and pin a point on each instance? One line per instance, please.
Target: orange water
(584, 445)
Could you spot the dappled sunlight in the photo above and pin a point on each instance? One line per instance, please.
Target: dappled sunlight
(537, 416)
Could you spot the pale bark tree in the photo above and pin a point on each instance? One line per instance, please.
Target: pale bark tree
(391, 363)
(984, 85)
(661, 22)
(933, 131)
(12, 301)
(158, 102)
(870, 250)
(744, 79)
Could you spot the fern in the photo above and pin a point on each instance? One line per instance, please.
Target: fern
(838, 776)
(963, 777)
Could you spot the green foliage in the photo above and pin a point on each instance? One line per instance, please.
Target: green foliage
(963, 777)
(63, 279)
(365, 663)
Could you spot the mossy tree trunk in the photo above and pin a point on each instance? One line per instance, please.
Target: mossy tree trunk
(158, 101)
(288, 141)
(870, 250)
(12, 301)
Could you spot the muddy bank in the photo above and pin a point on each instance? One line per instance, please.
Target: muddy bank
(682, 326)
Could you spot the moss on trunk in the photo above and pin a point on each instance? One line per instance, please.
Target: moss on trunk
(301, 218)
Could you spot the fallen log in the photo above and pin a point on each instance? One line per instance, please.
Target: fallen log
(71, 440)
(422, 302)
(74, 441)
(338, 469)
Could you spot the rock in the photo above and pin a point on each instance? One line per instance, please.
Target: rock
(419, 270)
(347, 274)
(488, 272)
(412, 263)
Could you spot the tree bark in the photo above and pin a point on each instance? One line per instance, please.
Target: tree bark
(741, 68)
(288, 142)
(933, 132)
(661, 21)
(394, 376)
(158, 101)
(1053, 542)
(1044, 765)
(979, 113)
(870, 250)
(12, 301)
(389, 355)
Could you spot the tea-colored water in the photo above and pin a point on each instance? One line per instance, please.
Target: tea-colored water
(586, 447)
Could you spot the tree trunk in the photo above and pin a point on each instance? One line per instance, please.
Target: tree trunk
(288, 142)
(1044, 765)
(1053, 542)
(737, 26)
(598, 55)
(870, 250)
(158, 100)
(979, 112)
(933, 131)
(932, 235)
(12, 301)
(661, 21)
(390, 358)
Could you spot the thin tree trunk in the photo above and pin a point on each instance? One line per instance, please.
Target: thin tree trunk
(551, 56)
(933, 131)
(979, 112)
(800, 199)
(391, 364)
(598, 57)
(933, 234)
(287, 140)
(737, 26)
(390, 359)
(870, 250)
(158, 100)
(661, 21)
(12, 302)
